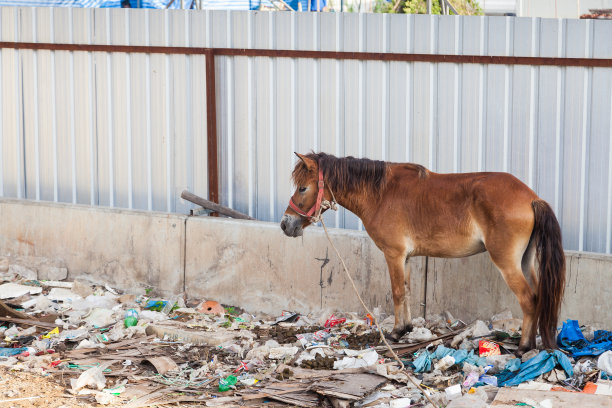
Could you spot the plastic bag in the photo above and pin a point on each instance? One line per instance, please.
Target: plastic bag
(604, 363)
(365, 358)
(540, 364)
(92, 377)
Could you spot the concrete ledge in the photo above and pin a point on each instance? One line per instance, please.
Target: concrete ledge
(254, 265)
(473, 288)
(124, 248)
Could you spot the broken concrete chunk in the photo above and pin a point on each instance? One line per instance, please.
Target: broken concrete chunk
(480, 329)
(54, 273)
(197, 338)
(24, 272)
(281, 353)
(82, 289)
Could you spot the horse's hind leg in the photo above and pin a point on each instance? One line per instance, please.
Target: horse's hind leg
(528, 264)
(399, 272)
(510, 268)
(528, 269)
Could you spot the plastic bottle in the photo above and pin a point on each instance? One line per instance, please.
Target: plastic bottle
(131, 318)
(169, 305)
(227, 383)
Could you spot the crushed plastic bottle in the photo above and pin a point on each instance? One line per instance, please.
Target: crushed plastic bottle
(225, 384)
(130, 318)
(169, 305)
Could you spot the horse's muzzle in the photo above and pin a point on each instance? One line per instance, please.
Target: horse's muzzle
(291, 226)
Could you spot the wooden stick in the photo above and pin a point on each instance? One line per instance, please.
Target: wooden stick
(271, 394)
(29, 322)
(404, 349)
(186, 195)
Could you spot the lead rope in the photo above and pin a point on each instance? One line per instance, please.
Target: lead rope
(325, 204)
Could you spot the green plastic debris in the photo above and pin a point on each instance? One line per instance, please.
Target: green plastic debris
(227, 383)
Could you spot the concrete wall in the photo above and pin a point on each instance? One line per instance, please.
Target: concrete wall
(253, 265)
(124, 248)
(473, 288)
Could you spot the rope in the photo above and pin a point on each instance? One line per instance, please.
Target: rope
(326, 205)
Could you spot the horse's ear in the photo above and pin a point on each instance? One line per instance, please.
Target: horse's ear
(310, 164)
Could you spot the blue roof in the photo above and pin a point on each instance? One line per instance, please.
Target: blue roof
(161, 4)
(152, 4)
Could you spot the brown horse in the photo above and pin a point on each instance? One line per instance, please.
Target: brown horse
(408, 210)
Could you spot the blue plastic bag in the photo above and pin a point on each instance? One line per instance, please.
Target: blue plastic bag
(572, 340)
(513, 365)
(8, 351)
(422, 364)
(533, 368)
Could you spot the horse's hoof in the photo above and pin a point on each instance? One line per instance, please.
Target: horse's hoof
(522, 350)
(397, 334)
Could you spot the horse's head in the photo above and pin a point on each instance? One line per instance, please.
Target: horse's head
(306, 200)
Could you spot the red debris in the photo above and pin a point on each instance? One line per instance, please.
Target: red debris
(211, 307)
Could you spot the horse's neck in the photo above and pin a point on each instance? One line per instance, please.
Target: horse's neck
(352, 201)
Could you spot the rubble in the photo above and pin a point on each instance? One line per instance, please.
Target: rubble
(133, 348)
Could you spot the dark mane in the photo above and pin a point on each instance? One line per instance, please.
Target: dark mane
(346, 173)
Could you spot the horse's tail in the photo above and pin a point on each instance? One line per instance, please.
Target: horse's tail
(551, 281)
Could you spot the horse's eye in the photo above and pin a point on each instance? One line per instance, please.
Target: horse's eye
(302, 189)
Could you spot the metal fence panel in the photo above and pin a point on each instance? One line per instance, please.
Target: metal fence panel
(129, 130)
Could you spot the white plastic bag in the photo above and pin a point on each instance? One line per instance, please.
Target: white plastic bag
(604, 363)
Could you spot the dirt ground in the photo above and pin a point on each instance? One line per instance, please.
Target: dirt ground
(18, 384)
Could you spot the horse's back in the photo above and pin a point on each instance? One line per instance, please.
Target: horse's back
(459, 214)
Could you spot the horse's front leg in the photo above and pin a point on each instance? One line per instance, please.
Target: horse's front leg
(399, 271)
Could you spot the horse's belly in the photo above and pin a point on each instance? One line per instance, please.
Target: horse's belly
(452, 247)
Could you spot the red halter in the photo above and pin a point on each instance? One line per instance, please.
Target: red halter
(315, 208)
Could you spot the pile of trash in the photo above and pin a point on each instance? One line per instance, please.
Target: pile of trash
(135, 348)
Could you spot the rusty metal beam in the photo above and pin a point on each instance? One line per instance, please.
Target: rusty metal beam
(211, 128)
(436, 58)
(361, 56)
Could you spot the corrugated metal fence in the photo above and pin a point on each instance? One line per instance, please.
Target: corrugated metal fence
(129, 130)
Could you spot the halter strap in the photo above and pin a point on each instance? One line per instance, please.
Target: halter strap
(315, 208)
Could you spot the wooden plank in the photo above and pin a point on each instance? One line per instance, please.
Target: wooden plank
(349, 386)
(29, 322)
(209, 205)
(9, 311)
(510, 397)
